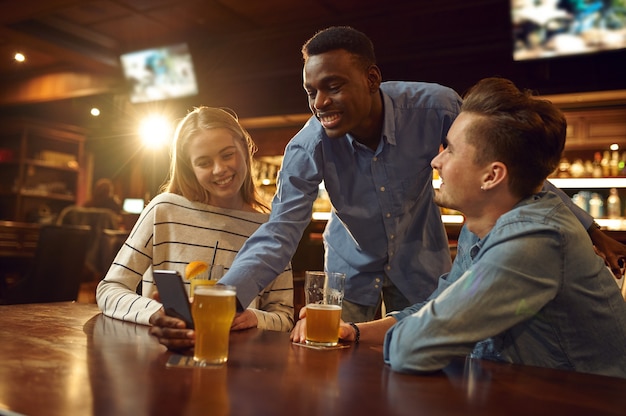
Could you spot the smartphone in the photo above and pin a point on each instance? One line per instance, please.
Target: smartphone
(173, 295)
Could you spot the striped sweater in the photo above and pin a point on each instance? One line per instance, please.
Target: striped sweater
(170, 233)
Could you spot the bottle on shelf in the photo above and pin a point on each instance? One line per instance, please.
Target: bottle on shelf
(564, 168)
(577, 169)
(606, 169)
(597, 165)
(614, 204)
(614, 163)
(581, 199)
(596, 206)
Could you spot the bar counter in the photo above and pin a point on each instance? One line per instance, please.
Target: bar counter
(68, 359)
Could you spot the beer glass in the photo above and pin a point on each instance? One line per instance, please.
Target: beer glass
(213, 311)
(324, 294)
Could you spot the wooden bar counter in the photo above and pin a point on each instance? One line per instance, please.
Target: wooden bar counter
(68, 359)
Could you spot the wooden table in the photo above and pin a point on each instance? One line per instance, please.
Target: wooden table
(68, 359)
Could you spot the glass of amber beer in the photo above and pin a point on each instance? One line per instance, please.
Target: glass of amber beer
(213, 311)
(324, 294)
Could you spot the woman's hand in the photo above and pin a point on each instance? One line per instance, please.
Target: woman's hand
(244, 320)
(298, 333)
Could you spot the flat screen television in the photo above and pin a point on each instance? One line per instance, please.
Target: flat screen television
(133, 205)
(161, 73)
(552, 28)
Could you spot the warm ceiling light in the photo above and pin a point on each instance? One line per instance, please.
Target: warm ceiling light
(155, 131)
(19, 57)
(95, 112)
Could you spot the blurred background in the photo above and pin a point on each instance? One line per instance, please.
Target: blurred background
(110, 71)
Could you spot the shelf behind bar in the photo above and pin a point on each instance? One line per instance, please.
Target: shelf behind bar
(576, 183)
(446, 218)
(605, 223)
(563, 183)
(612, 223)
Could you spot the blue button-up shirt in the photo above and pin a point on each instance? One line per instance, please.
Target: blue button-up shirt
(383, 221)
(532, 292)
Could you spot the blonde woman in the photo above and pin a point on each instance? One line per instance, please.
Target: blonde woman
(208, 207)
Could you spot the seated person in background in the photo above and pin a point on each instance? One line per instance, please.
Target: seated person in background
(104, 196)
(526, 286)
(208, 201)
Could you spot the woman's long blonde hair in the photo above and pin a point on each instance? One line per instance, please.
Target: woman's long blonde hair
(182, 180)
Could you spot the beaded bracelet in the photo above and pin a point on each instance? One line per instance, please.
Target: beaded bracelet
(357, 331)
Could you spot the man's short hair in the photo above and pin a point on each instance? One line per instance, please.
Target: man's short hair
(525, 133)
(341, 37)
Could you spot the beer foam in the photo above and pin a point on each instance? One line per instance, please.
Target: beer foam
(319, 306)
(213, 291)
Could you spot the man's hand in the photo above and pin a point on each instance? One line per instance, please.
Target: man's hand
(171, 332)
(612, 251)
(298, 333)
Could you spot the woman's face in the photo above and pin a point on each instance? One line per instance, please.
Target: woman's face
(219, 164)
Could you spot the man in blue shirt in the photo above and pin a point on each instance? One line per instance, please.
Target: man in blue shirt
(371, 143)
(526, 286)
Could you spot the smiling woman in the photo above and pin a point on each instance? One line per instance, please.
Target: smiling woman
(208, 197)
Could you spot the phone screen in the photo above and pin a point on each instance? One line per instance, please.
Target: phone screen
(173, 295)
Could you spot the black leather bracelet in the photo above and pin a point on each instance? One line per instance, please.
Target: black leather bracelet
(357, 331)
(594, 226)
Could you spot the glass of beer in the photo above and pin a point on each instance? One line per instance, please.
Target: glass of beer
(324, 294)
(213, 311)
(209, 278)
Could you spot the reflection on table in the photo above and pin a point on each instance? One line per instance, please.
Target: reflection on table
(67, 359)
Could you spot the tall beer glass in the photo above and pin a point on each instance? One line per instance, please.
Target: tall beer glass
(213, 312)
(324, 294)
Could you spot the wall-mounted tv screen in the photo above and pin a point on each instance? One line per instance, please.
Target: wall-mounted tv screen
(159, 73)
(551, 28)
(133, 205)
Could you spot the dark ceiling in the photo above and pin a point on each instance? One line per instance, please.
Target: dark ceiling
(246, 53)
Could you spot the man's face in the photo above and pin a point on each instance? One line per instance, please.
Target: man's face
(339, 93)
(461, 178)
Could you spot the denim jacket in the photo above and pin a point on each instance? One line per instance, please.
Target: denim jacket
(531, 292)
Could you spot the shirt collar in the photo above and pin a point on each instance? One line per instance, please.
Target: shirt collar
(389, 125)
(389, 120)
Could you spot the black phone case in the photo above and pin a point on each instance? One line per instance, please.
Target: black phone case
(173, 295)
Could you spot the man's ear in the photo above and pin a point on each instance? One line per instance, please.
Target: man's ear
(374, 78)
(496, 174)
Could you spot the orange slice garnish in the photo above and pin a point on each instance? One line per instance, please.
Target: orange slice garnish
(195, 268)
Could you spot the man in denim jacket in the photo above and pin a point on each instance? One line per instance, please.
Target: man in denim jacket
(526, 286)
